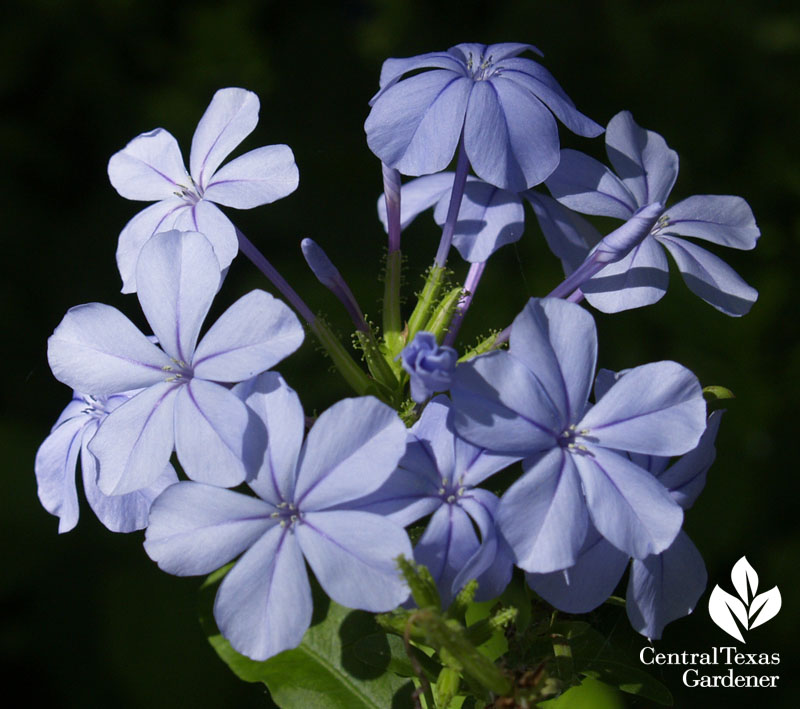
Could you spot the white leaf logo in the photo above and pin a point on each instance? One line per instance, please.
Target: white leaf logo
(749, 609)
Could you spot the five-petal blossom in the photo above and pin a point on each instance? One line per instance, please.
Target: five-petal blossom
(305, 509)
(501, 102)
(57, 458)
(532, 401)
(646, 172)
(183, 403)
(439, 475)
(150, 168)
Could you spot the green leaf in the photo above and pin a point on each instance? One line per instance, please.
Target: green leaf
(595, 657)
(325, 671)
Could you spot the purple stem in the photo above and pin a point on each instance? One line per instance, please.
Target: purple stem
(576, 297)
(460, 180)
(470, 286)
(391, 193)
(260, 262)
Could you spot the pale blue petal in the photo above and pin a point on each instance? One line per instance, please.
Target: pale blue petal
(255, 333)
(208, 219)
(638, 279)
(157, 217)
(475, 464)
(404, 498)
(445, 547)
(135, 441)
(350, 451)
(542, 84)
(641, 158)
(149, 168)
(393, 69)
(493, 562)
(557, 341)
(505, 50)
(259, 177)
(710, 278)
(279, 408)
(177, 277)
(543, 514)
(720, 219)
(498, 404)
(510, 137)
(488, 219)
(210, 428)
(121, 513)
(264, 604)
(584, 586)
(195, 529)
(587, 186)
(569, 236)
(415, 125)
(55, 471)
(686, 478)
(655, 408)
(353, 556)
(97, 349)
(628, 506)
(229, 119)
(436, 443)
(666, 587)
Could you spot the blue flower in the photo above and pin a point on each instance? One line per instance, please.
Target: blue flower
(438, 475)
(661, 587)
(500, 102)
(150, 168)
(532, 401)
(304, 510)
(646, 172)
(430, 366)
(489, 217)
(183, 403)
(57, 458)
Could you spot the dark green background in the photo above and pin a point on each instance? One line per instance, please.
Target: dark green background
(87, 619)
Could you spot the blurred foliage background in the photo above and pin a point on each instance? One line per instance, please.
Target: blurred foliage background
(87, 619)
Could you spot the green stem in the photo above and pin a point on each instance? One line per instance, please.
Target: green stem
(393, 337)
(430, 292)
(443, 314)
(344, 363)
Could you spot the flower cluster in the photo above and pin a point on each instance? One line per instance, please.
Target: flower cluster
(597, 468)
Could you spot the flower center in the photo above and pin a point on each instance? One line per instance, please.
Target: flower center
(661, 224)
(191, 194)
(288, 514)
(451, 491)
(572, 440)
(95, 406)
(481, 67)
(181, 373)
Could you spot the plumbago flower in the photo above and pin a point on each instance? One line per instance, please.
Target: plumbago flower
(150, 168)
(57, 458)
(661, 587)
(304, 509)
(183, 403)
(646, 172)
(429, 365)
(438, 475)
(532, 401)
(489, 217)
(501, 103)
